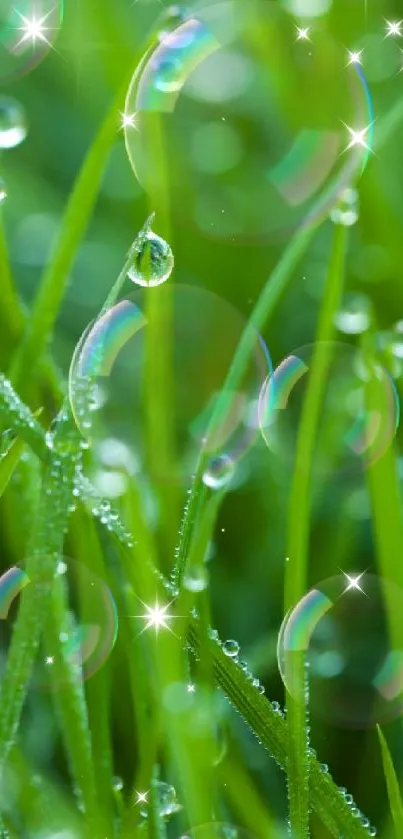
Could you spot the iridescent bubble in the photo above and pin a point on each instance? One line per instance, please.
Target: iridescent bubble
(348, 631)
(13, 123)
(199, 333)
(152, 258)
(258, 139)
(28, 30)
(359, 408)
(81, 640)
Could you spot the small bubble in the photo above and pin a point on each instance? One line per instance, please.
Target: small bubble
(13, 123)
(152, 258)
(219, 472)
(231, 648)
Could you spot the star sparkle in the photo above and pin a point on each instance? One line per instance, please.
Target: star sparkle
(353, 582)
(141, 798)
(354, 57)
(128, 120)
(358, 137)
(34, 29)
(157, 617)
(393, 28)
(49, 660)
(303, 33)
(191, 688)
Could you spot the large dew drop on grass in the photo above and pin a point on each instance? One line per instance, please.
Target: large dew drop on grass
(358, 408)
(161, 361)
(77, 642)
(256, 124)
(152, 258)
(348, 629)
(28, 30)
(13, 123)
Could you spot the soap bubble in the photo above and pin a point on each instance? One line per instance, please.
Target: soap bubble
(348, 630)
(255, 129)
(13, 123)
(28, 29)
(359, 411)
(86, 633)
(195, 334)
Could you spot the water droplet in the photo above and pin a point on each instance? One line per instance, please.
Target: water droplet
(168, 802)
(219, 472)
(346, 212)
(231, 648)
(3, 190)
(196, 579)
(173, 18)
(117, 783)
(152, 258)
(13, 123)
(355, 315)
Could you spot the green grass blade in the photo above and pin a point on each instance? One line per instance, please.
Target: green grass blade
(270, 729)
(393, 787)
(298, 538)
(9, 462)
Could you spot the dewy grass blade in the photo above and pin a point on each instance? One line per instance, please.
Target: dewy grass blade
(270, 729)
(393, 787)
(298, 536)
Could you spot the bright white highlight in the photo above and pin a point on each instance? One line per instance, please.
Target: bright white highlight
(393, 28)
(354, 57)
(33, 29)
(303, 33)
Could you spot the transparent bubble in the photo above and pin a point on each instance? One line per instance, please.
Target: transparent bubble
(219, 472)
(359, 408)
(256, 138)
(153, 259)
(83, 637)
(354, 317)
(348, 630)
(28, 31)
(13, 123)
(195, 334)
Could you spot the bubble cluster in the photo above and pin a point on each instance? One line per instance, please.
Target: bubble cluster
(28, 29)
(359, 412)
(86, 634)
(348, 628)
(200, 412)
(258, 130)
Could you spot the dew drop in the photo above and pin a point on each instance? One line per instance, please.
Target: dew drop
(355, 315)
(196, 579)
(231, 648)
(168, 802)
(346, 212)
(13, 123)
(152, 258)
(3, 190)
(219, 472)
(117, 783)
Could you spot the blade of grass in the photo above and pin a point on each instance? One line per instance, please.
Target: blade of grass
(9, 463)
(393, 787)
(270, 729)
(298, 535)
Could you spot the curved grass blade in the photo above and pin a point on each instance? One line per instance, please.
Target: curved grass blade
(393, 787)
(270, 729)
